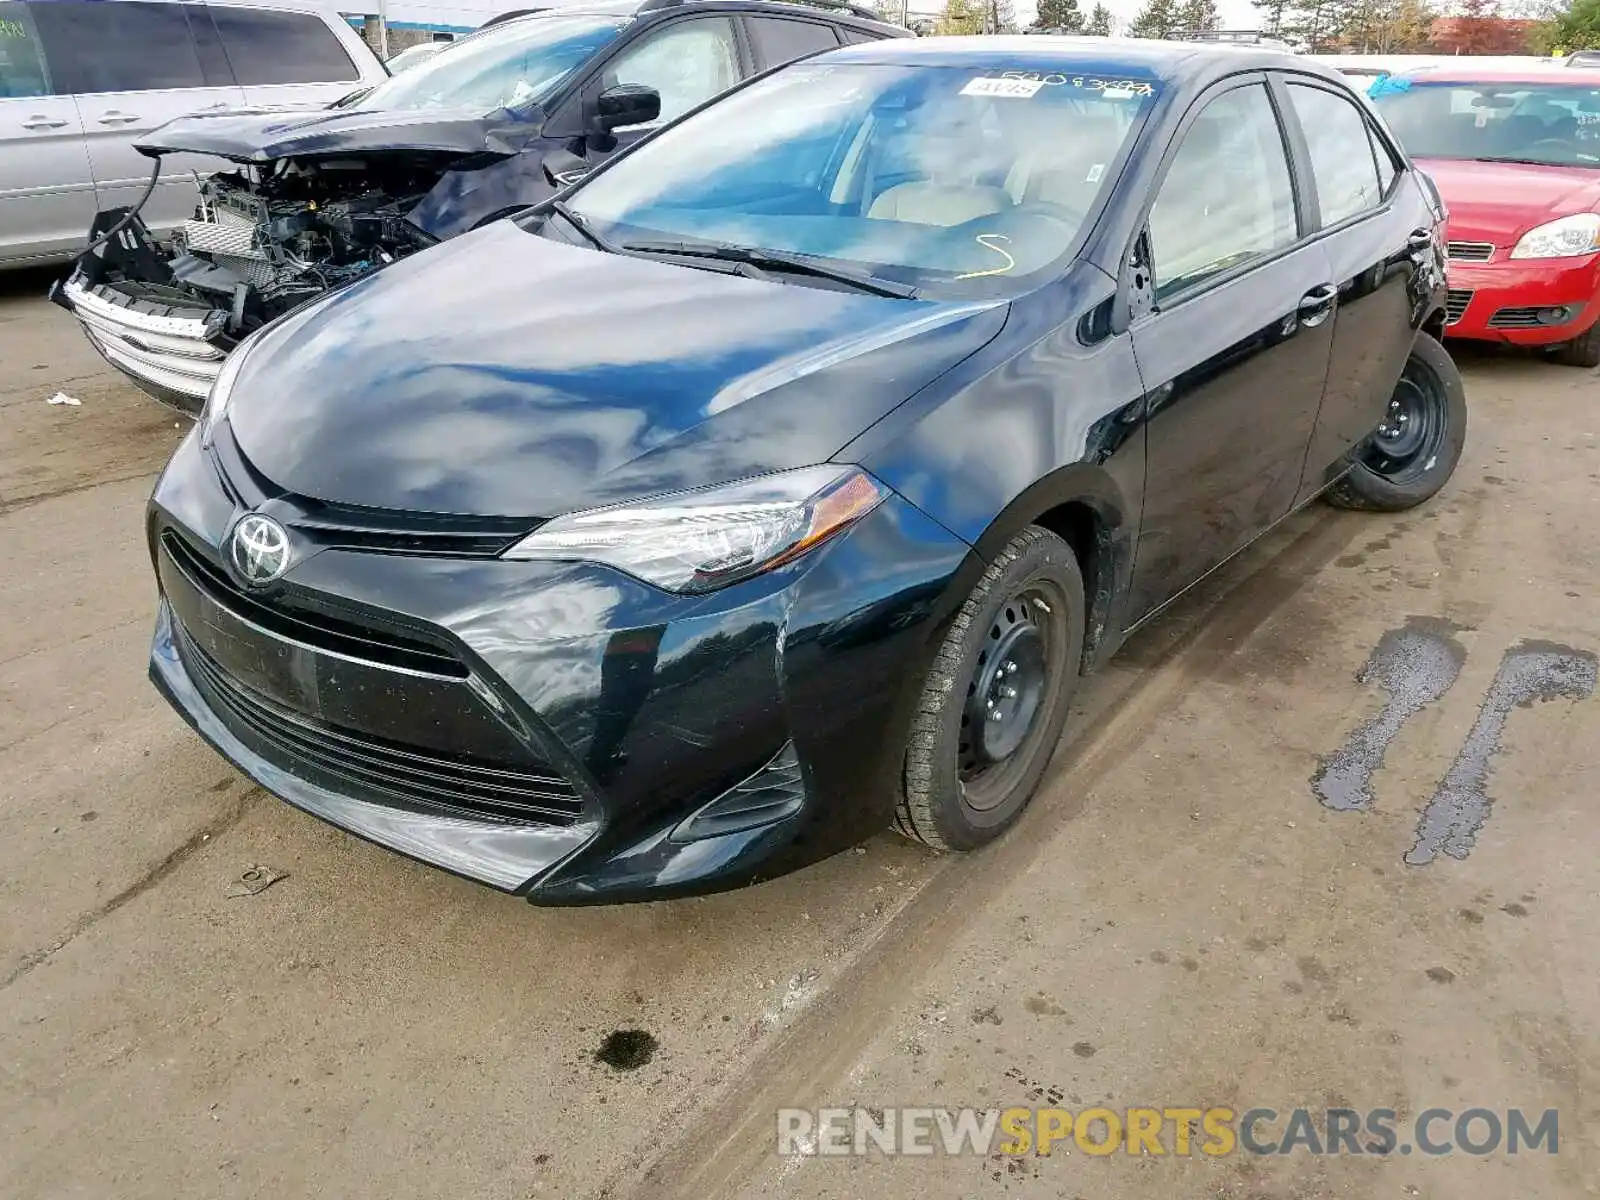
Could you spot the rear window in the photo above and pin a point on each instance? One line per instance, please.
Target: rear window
(266, 47)
(121, 47)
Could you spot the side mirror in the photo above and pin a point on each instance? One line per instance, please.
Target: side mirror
(626, 104)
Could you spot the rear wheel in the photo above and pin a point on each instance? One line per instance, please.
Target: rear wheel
(996, 697)
(1414, 450)
(1581, 351)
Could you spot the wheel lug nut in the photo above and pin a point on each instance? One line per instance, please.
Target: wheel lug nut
(1011, 667)
(1008, 692)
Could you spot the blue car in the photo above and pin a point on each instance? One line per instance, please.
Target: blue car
(779, 482)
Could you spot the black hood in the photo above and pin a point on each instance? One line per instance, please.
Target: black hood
(262, 135)
(503, 374)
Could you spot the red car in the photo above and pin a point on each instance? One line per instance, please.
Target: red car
(1516, 157)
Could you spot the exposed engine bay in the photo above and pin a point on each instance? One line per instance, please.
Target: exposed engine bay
(264, 239)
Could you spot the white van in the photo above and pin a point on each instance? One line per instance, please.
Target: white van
(82, 80)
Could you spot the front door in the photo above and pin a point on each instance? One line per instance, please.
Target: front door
(688, 62)
(1234, 350)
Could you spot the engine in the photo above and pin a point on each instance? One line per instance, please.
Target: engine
(264, 242)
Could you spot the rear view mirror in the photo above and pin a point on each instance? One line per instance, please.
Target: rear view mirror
(624, 104)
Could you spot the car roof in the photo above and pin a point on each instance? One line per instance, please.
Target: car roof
(1568, 76)
(1176, 62)
(836, 14)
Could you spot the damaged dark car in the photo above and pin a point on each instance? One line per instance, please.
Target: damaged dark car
(312, 201)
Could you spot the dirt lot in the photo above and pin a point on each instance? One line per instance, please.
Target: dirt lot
(1185, 919)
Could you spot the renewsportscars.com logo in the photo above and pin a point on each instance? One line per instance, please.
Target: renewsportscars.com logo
(1176, 1131)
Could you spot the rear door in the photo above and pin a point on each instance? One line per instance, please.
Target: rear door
(1233, 347)
(131, 66)
(1377, 236)
(280, 57)
(46, 190)
(777, 40)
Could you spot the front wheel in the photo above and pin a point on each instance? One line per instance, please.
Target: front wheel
(1416, 447)
(1581, 351)
(996, 697)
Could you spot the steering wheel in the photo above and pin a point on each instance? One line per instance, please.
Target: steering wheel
(1559, 143)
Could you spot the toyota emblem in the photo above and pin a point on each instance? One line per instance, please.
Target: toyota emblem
(260, 549)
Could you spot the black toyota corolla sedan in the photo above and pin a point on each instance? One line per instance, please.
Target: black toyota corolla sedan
(779, 481)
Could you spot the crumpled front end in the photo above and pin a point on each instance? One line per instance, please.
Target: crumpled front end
(167, 340)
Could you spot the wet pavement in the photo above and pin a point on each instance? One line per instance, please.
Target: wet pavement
(1246, 882)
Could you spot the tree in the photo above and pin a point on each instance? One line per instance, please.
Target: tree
(1316, 26)
(1157, 19)
(1578, 28)
(1479, 29)
(1197, 16)
(962, 17)
(1058, 16)
(1272, 12)
(1100, 21)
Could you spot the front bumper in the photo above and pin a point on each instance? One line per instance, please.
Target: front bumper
(558, 731)
(170, 351)
(1524, 302)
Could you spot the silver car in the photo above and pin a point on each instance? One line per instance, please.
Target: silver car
(82, 80)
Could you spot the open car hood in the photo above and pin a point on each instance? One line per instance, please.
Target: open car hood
(264, 134)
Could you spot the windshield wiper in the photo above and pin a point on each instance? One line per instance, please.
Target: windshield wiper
(776, 260)
(1530, 162)
(581, 224)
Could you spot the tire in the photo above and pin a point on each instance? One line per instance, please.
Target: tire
(1581, 351)
(959, 791)
(1415, 451)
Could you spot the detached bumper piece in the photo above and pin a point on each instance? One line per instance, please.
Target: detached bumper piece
(172, 353)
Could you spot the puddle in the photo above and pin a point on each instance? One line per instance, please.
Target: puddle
(1530, 672)
(1415, 665)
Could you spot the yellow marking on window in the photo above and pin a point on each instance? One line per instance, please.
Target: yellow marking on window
(983, 240)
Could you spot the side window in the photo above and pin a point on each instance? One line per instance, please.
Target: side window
(1341, 152)
(1385, 160)
(267, 47)
(779, 41)
(688, 62)
(1227, 196)
(22, 70)
(128, 46)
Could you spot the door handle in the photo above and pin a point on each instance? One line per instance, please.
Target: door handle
(118, 118)
(213, 107)
(42, 123)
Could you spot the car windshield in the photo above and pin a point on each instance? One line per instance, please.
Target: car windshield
(953, 180)
(1540, 123)
(518, 63)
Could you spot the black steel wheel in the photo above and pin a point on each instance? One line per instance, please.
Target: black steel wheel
(1414, 449)
(996, 697)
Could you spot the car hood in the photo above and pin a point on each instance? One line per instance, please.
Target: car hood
(263, 134)
(1499, 202)
(504, 374)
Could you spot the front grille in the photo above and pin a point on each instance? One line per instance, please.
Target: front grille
(1529, 318)
(379, 531)
(349, 638)
(531, 793)
(1455, 304)
(1470, 251)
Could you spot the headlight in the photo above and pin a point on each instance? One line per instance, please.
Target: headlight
(222, 390)
(702, 540)
(1566, 238)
